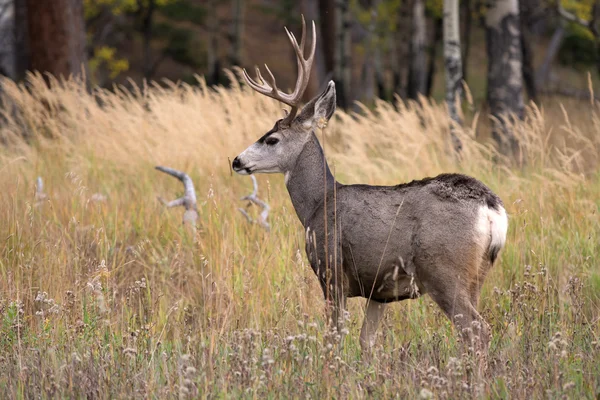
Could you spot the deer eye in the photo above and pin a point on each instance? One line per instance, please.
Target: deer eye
(271, 141)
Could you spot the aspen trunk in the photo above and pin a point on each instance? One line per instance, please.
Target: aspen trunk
(453, 65)
(56, 33)
(417, 82)
(505, 73)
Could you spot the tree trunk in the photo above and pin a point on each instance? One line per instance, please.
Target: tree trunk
(21, 42)
(147, 25)
(7, 42)
(212, 46)
(453, 65)
(505, 76)
(400, 51)
(417, 77)
(543, 71)
(56, 32)
(528, 72)
(327, 22)
(433, 47)
(466, 48)
(342, 70)
(368, 74)
(237, 29)
(310, 9)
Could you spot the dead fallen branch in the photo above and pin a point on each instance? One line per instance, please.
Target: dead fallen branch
(40, 196)
(253, 199)
(188, 200)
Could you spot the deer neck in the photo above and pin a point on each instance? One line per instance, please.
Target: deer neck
(310, 180)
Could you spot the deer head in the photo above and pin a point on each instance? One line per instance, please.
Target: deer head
(278, 149)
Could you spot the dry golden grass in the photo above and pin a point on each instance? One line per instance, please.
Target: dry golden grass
(115, 298)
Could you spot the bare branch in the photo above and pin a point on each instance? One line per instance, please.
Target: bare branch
(572, 17)
(40, 196)
(188, 200)
(253, 198)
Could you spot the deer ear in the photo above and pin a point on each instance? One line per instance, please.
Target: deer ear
(320, 109)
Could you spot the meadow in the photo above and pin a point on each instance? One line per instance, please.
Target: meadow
(104, 294)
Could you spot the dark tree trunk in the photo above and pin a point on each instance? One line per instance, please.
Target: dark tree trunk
(433, 47)
(327, 22)
(310, 9)
(147, 26)
(417, 77)
(21, 39)
(214, 68)
(505, 74)
(369, 71)
(56, 33)
(237, 30)
(466, 43)
(401, 51)
(526, 14)
(342, 61)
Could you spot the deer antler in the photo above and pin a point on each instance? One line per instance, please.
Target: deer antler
(269, 88)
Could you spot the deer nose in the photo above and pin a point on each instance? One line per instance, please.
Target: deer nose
(236, 164)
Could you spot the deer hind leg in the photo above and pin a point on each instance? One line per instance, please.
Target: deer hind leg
(373, 314)
(477, 283)
(454, 298)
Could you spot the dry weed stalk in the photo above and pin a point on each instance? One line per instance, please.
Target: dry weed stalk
(188, 200)
(253, 198)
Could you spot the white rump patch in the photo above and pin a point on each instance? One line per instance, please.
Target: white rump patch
(492, 225)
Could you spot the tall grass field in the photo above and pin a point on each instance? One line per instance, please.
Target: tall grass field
(105, 294)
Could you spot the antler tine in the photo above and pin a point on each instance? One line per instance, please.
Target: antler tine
(269, 88)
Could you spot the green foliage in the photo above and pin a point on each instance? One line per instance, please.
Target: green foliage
(105, 56)
(179, 10)
(578, 47)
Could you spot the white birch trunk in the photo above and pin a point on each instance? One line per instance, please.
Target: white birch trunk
(453, 65)
(505, 74)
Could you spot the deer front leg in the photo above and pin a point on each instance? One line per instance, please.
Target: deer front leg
(373, 314)
(335, 301)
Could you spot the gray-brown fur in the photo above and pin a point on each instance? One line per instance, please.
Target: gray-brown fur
(438, 235)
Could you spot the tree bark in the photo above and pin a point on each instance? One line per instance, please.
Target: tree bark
(342, 69)
(327, 11)
(433, 47)
(147, 25)
(505, 76)
(466, 48)
(417, 76)
(212, 47)
(310, 9)
(453, 65)
(56, 33)
(237, 30)
(21, 44)
(526, 14)
(7, 42)
(400, 50)
(368, 74)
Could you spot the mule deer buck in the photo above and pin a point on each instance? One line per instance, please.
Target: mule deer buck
(438, 236)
